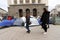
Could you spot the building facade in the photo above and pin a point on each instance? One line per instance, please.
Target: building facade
(3, 12)
(58, 9)
(19, 7)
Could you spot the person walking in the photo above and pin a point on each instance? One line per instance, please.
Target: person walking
(28, 20)
(45, 20)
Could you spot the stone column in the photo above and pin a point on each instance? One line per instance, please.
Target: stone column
(24, 1)
(42, 1)
(18, 1)
(46, 2)
(30, 1)
(36, 1)
(12, 1)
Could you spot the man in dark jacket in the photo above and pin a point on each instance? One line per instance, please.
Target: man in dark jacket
(45, 19)
(27, 20)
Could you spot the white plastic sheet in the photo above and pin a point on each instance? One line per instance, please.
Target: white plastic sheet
(18, 21)
(33, 21)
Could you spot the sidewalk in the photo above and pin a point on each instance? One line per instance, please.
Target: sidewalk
(19, 33)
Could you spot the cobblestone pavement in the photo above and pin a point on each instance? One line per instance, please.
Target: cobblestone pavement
(19, 33)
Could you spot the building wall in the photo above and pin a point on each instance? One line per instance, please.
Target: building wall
(11, 2)
(13, 9)
(15, 5)
(2, 12)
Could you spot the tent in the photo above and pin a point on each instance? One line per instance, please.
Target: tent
(18, 22)
(7, 22)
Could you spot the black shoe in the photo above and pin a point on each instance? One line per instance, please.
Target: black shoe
(28, 31)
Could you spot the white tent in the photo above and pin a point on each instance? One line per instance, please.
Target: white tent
(21, 20)
(33, 21)
(18, 21)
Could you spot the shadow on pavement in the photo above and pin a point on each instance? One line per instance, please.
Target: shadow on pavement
(4, 27)
(17, 26)
(10, 26)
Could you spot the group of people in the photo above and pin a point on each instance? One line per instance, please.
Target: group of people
(44, 20)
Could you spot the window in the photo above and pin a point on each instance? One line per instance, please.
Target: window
(33, 1)
(15, 1)
(27, 1)
(21, 1)
(20, 12)
(39, 1)
(34, 12)
(27, 10)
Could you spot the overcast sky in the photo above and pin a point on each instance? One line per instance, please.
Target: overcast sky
(51, 4)
(3, 4)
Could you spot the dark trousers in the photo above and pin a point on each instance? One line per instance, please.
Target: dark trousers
(44, 26)
(27, 27)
